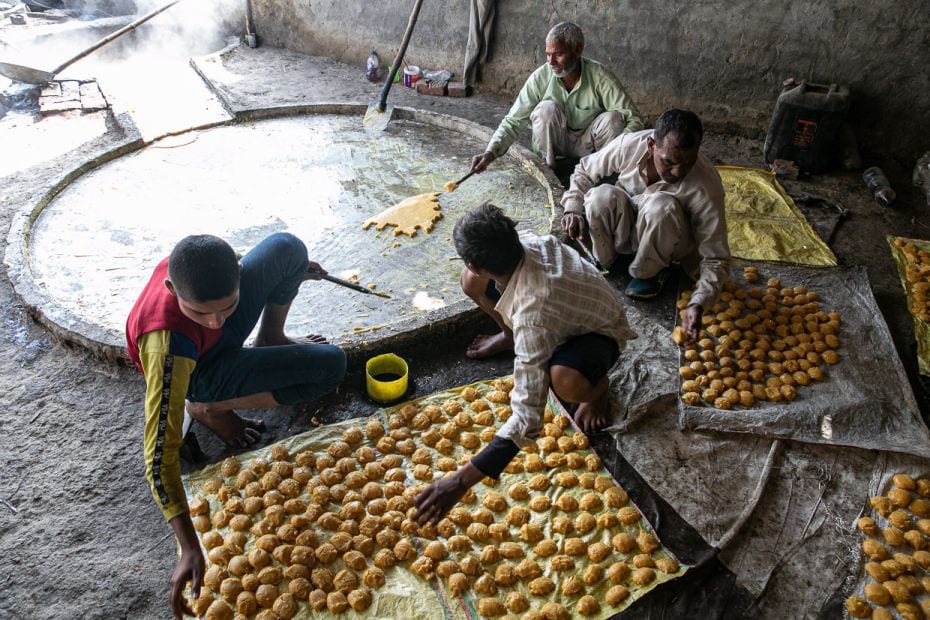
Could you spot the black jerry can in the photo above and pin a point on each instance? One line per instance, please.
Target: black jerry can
(806, 125)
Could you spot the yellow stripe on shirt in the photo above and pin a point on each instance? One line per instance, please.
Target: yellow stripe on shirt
(167, 377)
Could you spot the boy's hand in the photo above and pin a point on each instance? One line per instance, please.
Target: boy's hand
(190, 567)
(440, 497)
(314, 271)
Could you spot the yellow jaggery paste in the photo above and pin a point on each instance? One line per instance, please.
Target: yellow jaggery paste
(417, 212)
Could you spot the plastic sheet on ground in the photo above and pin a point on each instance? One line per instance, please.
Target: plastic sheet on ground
(407, 596)
(880, 484)
(763, 223)
(796, 553)
(921, 328)
(865, 401)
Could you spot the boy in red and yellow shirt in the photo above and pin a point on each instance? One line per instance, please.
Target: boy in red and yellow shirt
(186, 334)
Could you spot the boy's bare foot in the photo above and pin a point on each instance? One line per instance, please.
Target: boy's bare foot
(261, 341)
(234, 430)
(592, 417)
(485, 346)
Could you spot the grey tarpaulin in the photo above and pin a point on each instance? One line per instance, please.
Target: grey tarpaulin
(480, 30)
(880, 484)
(866, 400)
(796, 554)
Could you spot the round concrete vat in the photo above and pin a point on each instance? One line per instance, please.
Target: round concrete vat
(79, 256)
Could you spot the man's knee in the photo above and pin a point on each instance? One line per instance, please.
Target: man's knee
(660, 209)
(472, 285)
(606, 127)
(600, 201)
(547, 112)
(569, 384)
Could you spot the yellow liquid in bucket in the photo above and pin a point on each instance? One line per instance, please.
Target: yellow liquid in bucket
(380, 367)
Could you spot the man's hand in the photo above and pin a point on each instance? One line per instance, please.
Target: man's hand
(480, 162)
(189, 568)
(575, 227)
(440, 497)
(314, 271)
(690, 321)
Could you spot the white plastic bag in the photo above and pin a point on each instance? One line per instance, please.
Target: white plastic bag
(922, 175)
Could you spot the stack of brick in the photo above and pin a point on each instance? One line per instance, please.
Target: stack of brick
(441, 89)
(67, 95)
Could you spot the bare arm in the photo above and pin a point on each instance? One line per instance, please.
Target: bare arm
(440, 497)
(190, 566)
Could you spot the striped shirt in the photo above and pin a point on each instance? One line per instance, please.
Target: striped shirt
(552, 296)
(168, 360)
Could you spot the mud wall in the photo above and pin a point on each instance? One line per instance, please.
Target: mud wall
(725, 60)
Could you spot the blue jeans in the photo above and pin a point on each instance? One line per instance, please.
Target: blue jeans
(272, 273)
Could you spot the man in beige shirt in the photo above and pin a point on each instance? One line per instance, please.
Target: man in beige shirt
(564, 322)
(666, 206)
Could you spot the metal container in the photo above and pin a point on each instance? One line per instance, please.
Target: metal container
(806, 125)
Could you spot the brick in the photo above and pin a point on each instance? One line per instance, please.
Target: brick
(437, 89)
(457, 89)
(70, 90)
(91, 97)
(52, 90)
(51, 105)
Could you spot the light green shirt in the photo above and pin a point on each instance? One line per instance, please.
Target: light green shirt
(597, 91)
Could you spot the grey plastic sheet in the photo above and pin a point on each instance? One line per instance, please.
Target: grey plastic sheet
(793, 546)
(886, 466)
(797, 548)
(792, 543)
(866, 401)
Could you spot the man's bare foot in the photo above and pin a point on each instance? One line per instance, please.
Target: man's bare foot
(592, 417)
(263, 341)
(234, 430)
(485, 346)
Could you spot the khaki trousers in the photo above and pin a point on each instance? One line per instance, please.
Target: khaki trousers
(552, 137)
(654, 227)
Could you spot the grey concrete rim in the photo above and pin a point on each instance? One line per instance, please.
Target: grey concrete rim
(110, 344)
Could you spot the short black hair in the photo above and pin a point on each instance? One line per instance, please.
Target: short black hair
(487, 239)
(203, 268)
(685, 125)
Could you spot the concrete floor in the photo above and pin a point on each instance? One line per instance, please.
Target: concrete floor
(80, 533)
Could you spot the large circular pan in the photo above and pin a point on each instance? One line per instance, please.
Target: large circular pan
(80, 257)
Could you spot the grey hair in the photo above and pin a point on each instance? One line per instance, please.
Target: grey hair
(568, 33)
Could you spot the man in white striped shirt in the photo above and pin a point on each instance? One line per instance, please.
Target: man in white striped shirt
(564, 322)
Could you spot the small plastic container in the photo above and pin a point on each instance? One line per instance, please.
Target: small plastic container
(371, 67)
(878, 184)
(411, 76)
(386, 378)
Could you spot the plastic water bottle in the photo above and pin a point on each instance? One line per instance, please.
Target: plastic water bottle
(371, 70)
(879, 186)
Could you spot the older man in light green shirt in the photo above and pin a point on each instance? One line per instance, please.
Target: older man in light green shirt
(575, 104)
